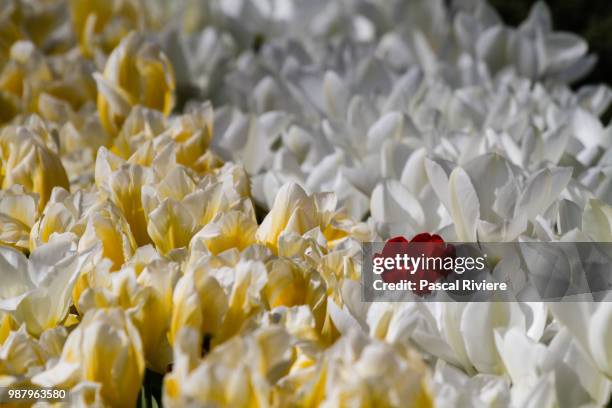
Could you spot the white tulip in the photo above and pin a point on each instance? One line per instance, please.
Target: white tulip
(591, 325)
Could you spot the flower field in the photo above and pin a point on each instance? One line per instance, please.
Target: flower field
(185, 187)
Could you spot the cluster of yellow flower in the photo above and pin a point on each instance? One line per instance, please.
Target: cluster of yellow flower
(127, 245)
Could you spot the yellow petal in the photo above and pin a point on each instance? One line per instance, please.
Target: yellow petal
(137, 72)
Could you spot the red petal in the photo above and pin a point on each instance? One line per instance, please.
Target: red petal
(427, 237)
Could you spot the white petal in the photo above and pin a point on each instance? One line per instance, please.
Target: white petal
(392, 202)
(465, 207)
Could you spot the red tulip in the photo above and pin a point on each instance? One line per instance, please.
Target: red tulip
(433, 252)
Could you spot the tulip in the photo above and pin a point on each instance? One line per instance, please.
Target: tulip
(141, 125)
(65, 212)
(175, 210)
(25, 73)
(200, 304)
(451, 387)
(25, 160)
(101, 25)
(474, 201)
(36, 291)
(21, 355)
(291, 284)
(106, 224)
(294, 211)
(122, 183)
(146, 297)
(533, 366)
(33, 82)
(232, 229)
(87, 393)
(343, 374)
(152, 312)
(137, 72)
(239, 373)
(590, 324)
(192, 133)
(389, 322)
(143, 256)
(105, 348)
(183, 139)
(171, 226)
(597, 220)
(300, 323)
(248, 278)
(18, 213)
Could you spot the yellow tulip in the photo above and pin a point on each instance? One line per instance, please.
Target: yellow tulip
(123, 183)
(141, 125)
(218, 196)
(69, 95)
(248, 279)
(153, 312)
(218, 302)
(171, 226)
(191, 133)
(25, 160)
(65, 212)
(100, 229)
(234, 229)
(57, 88)
(177, 207)
(147, 298)
(293, 211)
(100, 25)
(18, 213)
(337, 266)
(107, 225)
(168, 212)
(10, 33)
(104, 348)
(187, 136)
(296, 212)
(200, 303)
(187, 350)
(21, 354)
(25, 74)
(239, 373)
(235, 181)
(358, 371)
(95, 275)
(137, 73)
(290, 284)
(287, 284)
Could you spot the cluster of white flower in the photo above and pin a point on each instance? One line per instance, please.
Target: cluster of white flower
(141, 230)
